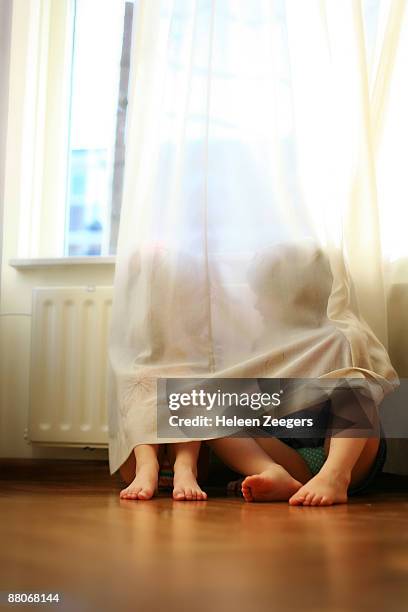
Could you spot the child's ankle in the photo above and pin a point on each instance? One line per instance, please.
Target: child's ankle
(150, 464)
(180, 465)
(335, 472)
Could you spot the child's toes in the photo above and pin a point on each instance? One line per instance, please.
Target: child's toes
(129, 493)
(326, 501)
(316, 500)
(178, 494)
(145, 494)
(306, 501)
(298, 498)
(247, 493)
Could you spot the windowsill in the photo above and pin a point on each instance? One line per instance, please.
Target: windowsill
(52, 262)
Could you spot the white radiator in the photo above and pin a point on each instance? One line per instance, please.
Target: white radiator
(68, 372)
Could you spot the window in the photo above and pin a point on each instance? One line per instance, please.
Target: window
(98, 101)
(68, 115)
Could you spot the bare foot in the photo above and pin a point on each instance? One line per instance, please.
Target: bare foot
(185, 485)
(274, 484)
(324, 489)
(144, 485)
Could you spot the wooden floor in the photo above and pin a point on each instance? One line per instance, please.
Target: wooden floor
(68, 532)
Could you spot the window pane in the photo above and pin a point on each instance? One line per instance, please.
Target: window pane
(98, 109)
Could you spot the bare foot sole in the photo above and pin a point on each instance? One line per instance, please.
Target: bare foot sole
(186, 487)
(322, 490)
(274, 484)
(144, 485)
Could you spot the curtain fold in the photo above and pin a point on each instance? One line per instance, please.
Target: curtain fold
(250, 241)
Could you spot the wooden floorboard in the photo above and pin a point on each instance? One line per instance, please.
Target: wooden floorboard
(65, 530)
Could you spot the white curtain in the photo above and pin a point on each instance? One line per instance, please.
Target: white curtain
(251, 240)
(5, 32)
